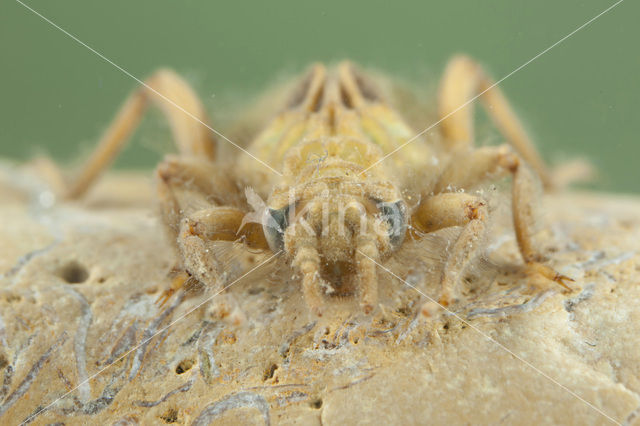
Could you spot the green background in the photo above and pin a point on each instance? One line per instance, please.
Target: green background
(579, 99)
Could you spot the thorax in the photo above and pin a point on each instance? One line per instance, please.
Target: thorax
(337, 128)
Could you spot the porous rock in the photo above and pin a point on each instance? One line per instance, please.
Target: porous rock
(84, 340)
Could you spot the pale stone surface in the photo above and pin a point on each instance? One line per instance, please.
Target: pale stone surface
(254, 355)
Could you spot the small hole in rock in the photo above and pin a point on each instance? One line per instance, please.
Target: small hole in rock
(13, 298)
(317, 403)
(184, 366)
(269, 372)
(170, 416)
(404, 310)
(74, 273)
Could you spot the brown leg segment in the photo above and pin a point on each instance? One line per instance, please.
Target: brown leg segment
(180, 106)
(224, 224)
(453, 209)
(463, 80)
(214, 224)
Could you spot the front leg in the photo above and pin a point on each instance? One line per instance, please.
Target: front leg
(209, 225)
(466, 171)
(453, 209)
(187, 184)
(200, 203)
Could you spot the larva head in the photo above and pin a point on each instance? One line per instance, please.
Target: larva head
(328, 228)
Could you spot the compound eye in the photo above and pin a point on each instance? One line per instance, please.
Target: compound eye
(395, 215)
(273, 225)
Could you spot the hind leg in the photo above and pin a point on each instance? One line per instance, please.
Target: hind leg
(464, 80)
(180, 106)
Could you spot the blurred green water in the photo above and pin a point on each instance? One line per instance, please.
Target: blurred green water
(578, 99)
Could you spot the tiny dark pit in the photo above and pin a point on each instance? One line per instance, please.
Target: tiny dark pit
(269, 372)
(3, 361)
(184, 366)
(74, 272)
(170, 416)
